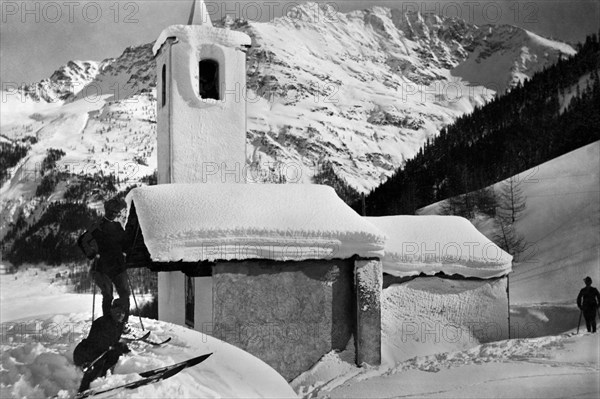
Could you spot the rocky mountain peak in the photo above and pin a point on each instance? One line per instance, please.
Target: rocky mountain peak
(359, 91)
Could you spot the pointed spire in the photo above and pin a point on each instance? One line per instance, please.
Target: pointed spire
(199, 15)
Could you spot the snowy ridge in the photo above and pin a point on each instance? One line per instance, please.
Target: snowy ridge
(508, 55)
(364, 90)
(65, 82)
(77, 74)
(193, 222)
(433, 244)
(133, 73)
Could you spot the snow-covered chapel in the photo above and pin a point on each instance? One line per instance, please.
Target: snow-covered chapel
(285, 272)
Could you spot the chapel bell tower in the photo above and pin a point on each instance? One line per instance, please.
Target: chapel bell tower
(201, 101)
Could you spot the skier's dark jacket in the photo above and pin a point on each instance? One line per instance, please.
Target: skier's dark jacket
(588, 298)
(105, 332)
(112, 242)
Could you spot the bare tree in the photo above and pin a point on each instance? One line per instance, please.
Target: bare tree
(511, 200)
(509, 240)
(511, 204)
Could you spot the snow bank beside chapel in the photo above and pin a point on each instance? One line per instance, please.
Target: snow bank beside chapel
(433, 244)
(205, 222)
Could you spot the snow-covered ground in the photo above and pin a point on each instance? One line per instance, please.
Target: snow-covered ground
(38, 338)
(42, 324)
(428, 356)
(35, 292)
(548, 367)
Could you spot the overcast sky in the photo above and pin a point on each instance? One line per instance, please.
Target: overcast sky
(37, 37)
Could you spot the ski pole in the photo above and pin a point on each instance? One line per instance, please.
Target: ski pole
(93, 299)
(85, 369)
(93, 288)
(579, 322)
(135, 301)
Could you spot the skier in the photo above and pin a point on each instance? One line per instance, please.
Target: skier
(102, 348)
(588, 301)
(109, 266)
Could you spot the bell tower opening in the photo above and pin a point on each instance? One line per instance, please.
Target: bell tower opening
(209, 79)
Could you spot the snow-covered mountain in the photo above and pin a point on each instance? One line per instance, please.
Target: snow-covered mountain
(64, 81)
(370, 86)
(360, 91)
(130, 74)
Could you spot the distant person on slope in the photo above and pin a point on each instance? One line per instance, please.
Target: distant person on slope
(102, 345)
(109, 267)
(588, 301)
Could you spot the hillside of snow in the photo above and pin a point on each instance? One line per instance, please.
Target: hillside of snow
(560, 224)
(361, 93)
(561, 229)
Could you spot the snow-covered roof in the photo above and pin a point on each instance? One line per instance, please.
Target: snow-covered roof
(432, 244)
(197, 222)
(195, 35)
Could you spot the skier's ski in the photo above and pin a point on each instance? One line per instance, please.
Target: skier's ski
(188, 363)
(146, 339)
(149, 377)
(155, 343)
(132, 339)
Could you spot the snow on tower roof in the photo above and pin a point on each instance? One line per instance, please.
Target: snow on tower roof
(197, 222)
(196, 35)
(432, 244)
